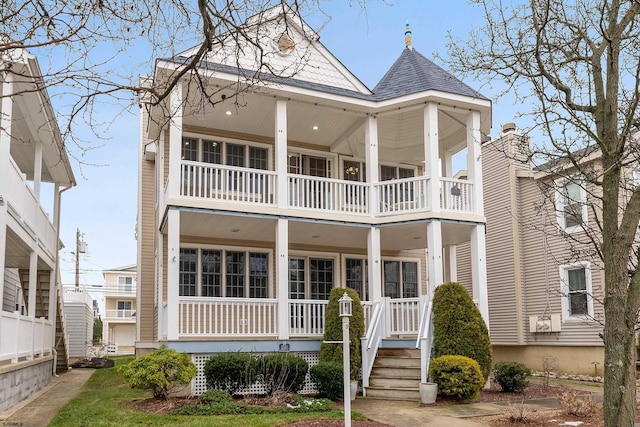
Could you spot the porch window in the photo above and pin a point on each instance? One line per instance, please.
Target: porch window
(402, 192)
(234, 154)
(304, 164)
(310, 278)
(223, 273)
(357, 277)
(400, 279)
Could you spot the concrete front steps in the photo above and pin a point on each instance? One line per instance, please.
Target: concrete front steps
(395, 375)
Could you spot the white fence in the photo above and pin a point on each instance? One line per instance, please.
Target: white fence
(327, 194)
(24, 336)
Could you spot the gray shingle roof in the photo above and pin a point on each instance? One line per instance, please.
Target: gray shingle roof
(413, 73)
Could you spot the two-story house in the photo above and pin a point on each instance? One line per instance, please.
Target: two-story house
(34, 169)
(545, 280)
(120, 307)
(251, 210)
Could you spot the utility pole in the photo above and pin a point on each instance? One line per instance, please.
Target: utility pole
(81, 248)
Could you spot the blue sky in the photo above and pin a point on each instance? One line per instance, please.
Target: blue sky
(103, 205)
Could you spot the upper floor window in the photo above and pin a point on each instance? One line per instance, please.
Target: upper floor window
(307, 164)
(125, 283)
(571, 205)
(223, 273)
(576, 290)
(223, 152)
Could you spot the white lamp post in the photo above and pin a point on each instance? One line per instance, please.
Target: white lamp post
(346, 304)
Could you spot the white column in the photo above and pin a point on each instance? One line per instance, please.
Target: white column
(434, 259)
(282, 182)
(451, 262)
(6, 111)
(158, 284)
(431, 154)
(479, 270)
(371, 159)
(175, 141)
(374, 264)
(282, 277)
(474, 160)
(33, 283)
(37, 170)
(447, 164)
(173, 272)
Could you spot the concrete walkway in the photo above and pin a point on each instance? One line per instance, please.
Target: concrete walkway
(39, 409)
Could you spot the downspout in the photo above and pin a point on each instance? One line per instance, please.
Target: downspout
(55, 276)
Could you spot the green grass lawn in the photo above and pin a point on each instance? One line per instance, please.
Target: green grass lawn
(105, 398)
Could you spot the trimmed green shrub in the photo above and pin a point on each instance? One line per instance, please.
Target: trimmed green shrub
(459, 328)
(164, 371)
(458, 377)
(215, 396)
(333, 331)
(512, 376)
(282, 372)
(328, 377)
(231, 371)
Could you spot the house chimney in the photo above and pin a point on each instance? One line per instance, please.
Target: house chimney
(508, 127)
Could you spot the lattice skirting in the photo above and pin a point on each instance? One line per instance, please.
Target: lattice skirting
(199, 383)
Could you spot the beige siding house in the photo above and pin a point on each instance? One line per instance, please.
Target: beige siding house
(120, 304)
(252, 210)
(544, 283)
(34, 169)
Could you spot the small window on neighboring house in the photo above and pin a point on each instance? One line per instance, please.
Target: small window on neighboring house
(576, 290)
(125, 283)
(571, 206)
(124, 309)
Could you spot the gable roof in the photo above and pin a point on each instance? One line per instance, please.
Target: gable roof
(413, 73)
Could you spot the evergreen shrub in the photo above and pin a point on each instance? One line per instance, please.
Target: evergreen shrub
(231, 371)
(328, 377)
(512, 376)
(458, 377)
(459, 328)
(282, 372)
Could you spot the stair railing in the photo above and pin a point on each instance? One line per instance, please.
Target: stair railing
(425, 338)
(371, 341)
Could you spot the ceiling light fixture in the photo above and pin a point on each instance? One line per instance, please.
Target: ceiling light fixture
(228, 113)
(315, 127)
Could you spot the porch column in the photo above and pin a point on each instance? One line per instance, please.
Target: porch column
(37, 170)
(447, 164)
(173, 272)
(282, 181)
(282, 277)
(431, 160)
(434, 259)
(451, 263)
(373, 264)
(33, 283)
(6, 111)
(175, 141)
(159, 280)
(474, 160)
(479, 270)
(371, 159)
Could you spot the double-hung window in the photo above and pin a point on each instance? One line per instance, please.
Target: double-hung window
(223, 273)
(125, 283)
(402, 192)
(576, 290)
(400, 279)
(124, 309)
(310, 277)
(571, 205)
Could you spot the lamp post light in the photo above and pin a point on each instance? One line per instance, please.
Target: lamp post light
(346, 305)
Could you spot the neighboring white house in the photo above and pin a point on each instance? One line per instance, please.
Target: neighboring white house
(119, 321)
(78, 313)
(251, 211)
(32, 334)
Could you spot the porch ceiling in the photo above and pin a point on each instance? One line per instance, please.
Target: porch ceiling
(18, 253)
(249, 230)
(340, 129)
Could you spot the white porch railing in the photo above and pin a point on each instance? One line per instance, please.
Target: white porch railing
(24, 336)
(403, 195)
(456, 195)
(327, 194)
(425, 338)
(229, 183)
(376, 331)
(404, 316)
(307, 317)
(227, 317)
(23, 203)
(120, 314)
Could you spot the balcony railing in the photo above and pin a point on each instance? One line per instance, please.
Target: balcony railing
(208, 181)
(24, 336)
(23, 204)
(257, 317)
(121, 314)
